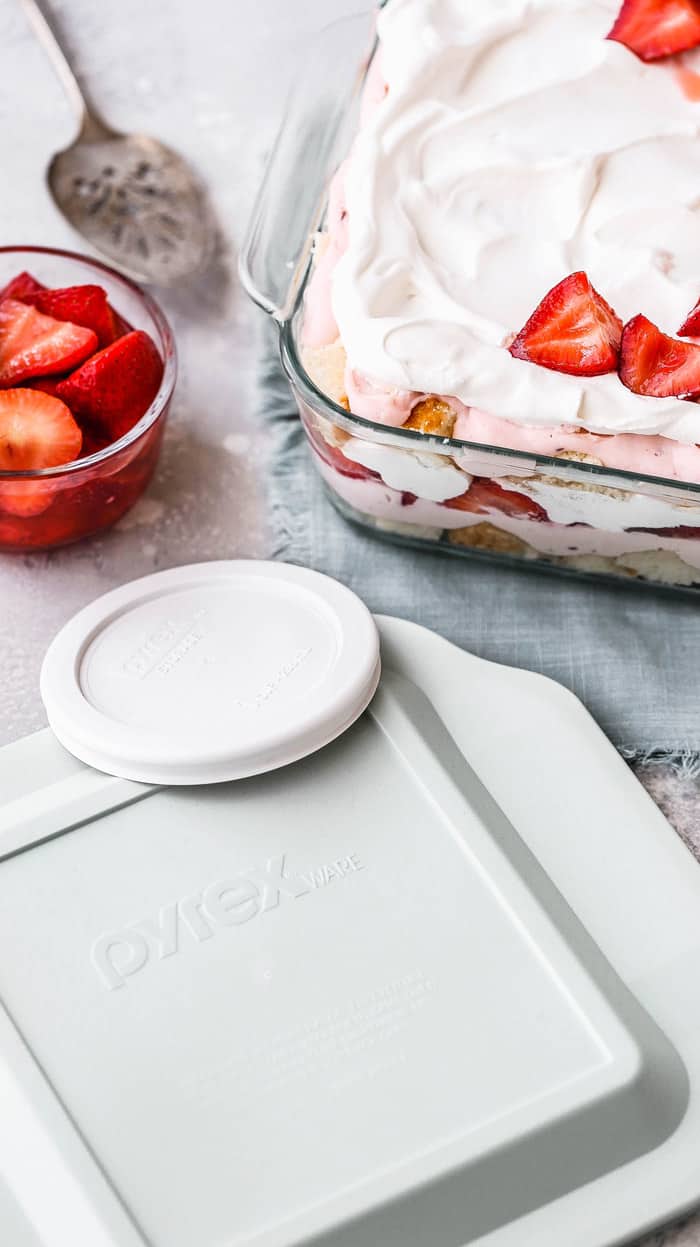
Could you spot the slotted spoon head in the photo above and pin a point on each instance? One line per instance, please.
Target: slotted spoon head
(136, 201)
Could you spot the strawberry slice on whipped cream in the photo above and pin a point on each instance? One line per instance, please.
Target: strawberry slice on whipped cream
(654, 29)
(573, 330)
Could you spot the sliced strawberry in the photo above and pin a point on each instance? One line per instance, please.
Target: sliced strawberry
(116, 386)
(656, 28)
(652, 363)
(22, 287)
(691, 325)
(485, 497)
(36, 431)
(573, 330)
(81, 305)
(34, 345)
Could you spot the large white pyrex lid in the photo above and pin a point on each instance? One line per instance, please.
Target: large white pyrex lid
(407, 991)
(211, 672)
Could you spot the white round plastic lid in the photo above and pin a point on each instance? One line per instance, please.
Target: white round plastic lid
(211, 672)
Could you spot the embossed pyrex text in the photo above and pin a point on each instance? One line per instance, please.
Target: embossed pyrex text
(233, 902)
(165, 647)
(268, 690)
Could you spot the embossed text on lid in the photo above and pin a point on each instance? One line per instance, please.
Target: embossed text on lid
(211, 672)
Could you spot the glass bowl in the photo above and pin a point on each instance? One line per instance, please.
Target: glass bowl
(50, 507)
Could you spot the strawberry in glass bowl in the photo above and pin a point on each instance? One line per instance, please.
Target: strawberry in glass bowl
(87, 371)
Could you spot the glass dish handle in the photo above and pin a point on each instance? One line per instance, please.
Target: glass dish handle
(319, 122)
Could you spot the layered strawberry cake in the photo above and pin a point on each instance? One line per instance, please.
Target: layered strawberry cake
(511, 259)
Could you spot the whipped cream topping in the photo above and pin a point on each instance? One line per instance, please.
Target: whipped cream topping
(515, 145)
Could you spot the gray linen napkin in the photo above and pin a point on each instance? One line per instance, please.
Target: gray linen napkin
(630, 653)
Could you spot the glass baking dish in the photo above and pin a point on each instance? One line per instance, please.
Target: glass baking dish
(465, 498)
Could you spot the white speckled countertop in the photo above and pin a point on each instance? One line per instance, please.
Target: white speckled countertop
(209, 78)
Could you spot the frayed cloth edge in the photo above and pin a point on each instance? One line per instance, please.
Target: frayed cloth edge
(683, 762)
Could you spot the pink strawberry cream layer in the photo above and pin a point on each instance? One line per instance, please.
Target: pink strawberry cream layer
(664, 275)
(631, 452)
(319, 327)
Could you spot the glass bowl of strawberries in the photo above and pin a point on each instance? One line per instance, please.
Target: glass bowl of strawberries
(87, 371)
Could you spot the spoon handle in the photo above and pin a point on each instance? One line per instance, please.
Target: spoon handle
(49, 41)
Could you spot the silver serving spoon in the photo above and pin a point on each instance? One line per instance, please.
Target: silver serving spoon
(131, 196)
